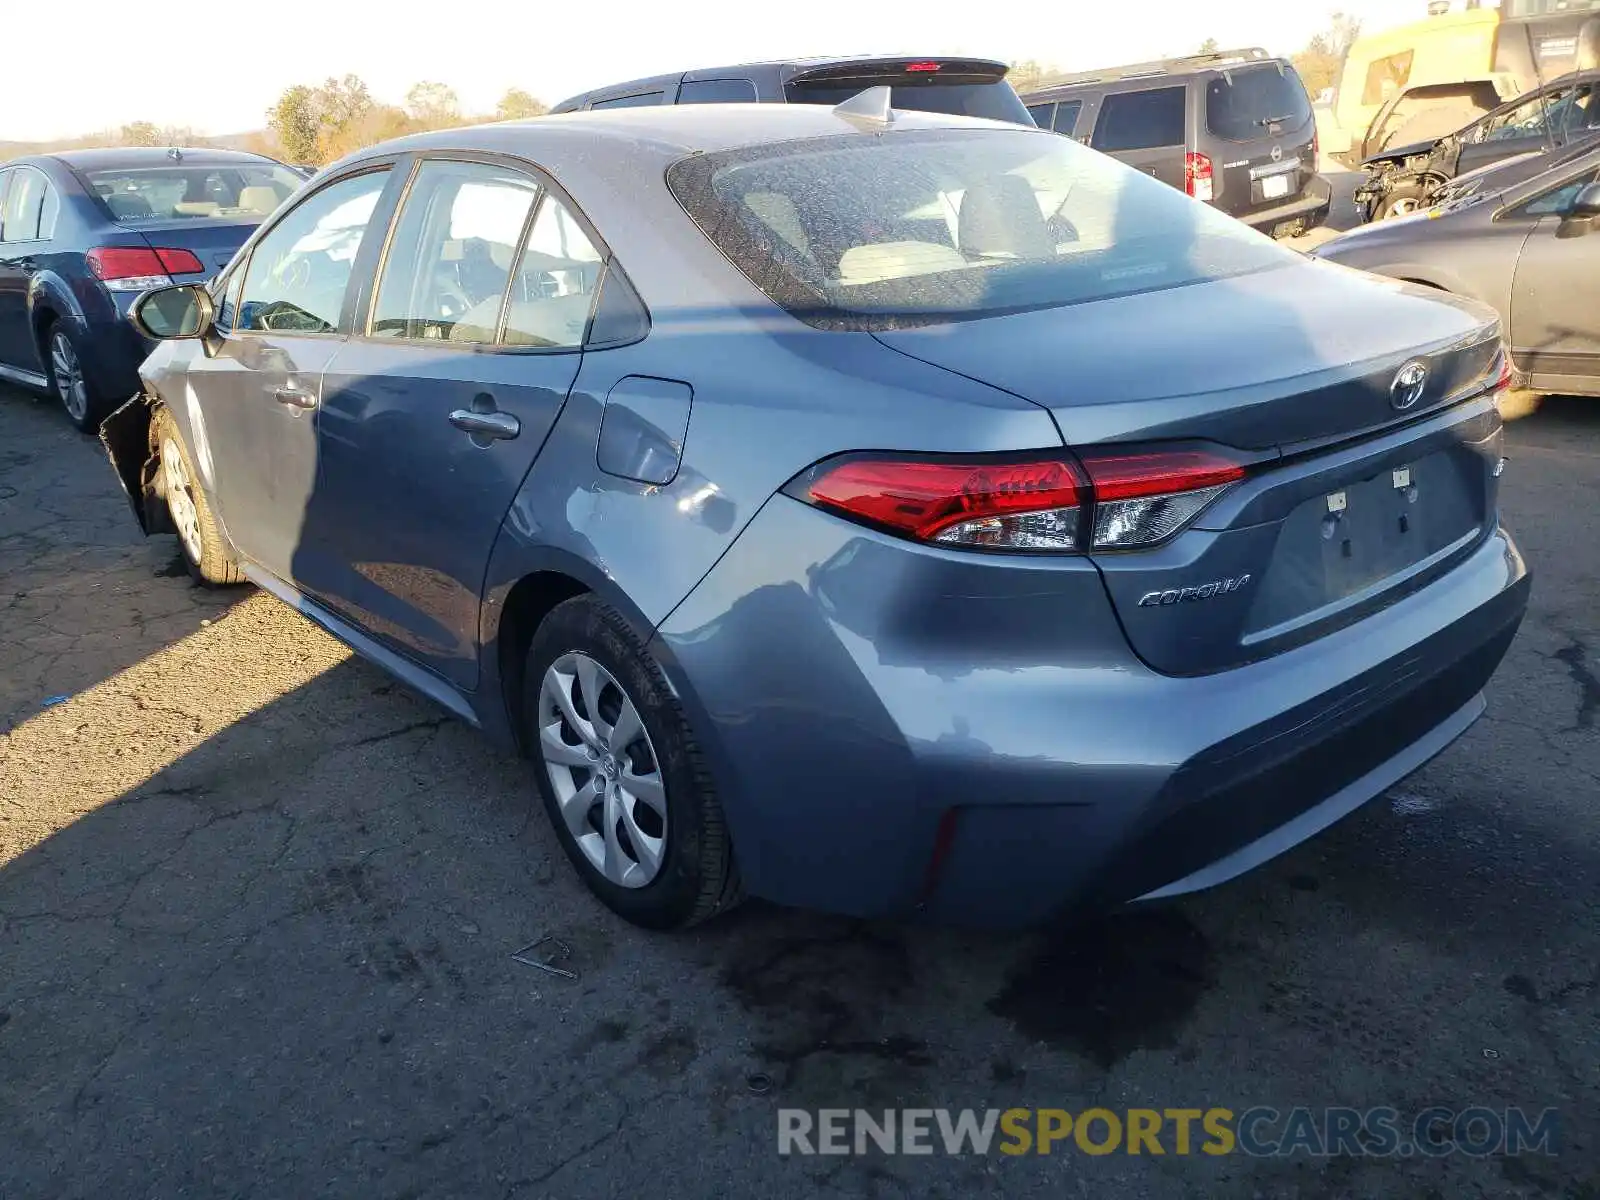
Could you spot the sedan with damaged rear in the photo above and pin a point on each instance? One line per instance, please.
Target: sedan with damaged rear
(882, 512)
(1537, 128)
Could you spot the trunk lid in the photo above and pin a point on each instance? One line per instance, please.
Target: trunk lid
(214, 243)
(1350, 502)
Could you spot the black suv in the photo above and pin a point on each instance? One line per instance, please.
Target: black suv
(970, 87)
(1234, 128)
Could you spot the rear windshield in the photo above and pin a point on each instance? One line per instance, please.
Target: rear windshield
(246, 191)
(915, 228)
(994, 100)
(1243, 103)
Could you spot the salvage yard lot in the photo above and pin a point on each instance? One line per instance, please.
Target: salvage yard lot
(258, 906)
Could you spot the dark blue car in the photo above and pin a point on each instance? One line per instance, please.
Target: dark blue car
(83, 233)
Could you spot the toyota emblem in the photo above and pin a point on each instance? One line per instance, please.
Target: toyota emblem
(1409, 383)
(1277, 153)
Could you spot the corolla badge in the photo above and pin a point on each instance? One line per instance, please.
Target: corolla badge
(1408, 385)
(1205, 591)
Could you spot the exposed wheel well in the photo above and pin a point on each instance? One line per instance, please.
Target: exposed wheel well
(528, 603)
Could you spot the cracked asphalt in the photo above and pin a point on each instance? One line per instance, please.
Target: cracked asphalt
(258, 906)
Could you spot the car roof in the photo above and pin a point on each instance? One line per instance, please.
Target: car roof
(114, 157)
(667, 131)
(651, 83)
(1154, 71)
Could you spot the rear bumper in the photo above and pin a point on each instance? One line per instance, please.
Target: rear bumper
(1310, 207)
(895, 731)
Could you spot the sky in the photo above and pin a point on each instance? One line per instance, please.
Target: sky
(218, 68)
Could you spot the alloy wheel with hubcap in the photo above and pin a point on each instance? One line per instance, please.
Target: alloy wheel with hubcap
(67, 373)
(604, 770)
(180, 499)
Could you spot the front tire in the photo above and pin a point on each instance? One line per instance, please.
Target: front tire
(206, 551)
(83, 405)
(622, 778)
(1399, 201)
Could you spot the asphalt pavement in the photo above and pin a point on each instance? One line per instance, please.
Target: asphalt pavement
(259, 907)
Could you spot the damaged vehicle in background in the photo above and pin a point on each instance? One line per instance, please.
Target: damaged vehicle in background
(1560, 117)
(809, 493)
(1529, 248)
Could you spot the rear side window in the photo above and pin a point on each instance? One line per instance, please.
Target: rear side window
(1066, 118)
(23, 206)
(451, 254)
(1041, 114)
(1141, 120)
(717, 91)
(1245, 103)
(635, 101)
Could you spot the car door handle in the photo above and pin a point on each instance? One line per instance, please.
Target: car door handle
(486, 424)
(294, 397)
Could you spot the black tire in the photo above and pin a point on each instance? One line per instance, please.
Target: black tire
(216, 565)
(1407, 197)
(698, 877)
(80, 399)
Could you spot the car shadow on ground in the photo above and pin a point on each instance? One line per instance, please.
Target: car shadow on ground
(286, 955)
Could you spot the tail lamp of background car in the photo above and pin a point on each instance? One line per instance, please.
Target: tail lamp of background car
(1120, 499)
(1197, 176)
(140, 268)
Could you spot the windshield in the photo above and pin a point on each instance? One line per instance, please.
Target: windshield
(882, 232)
(139, 195)
(1243, 102)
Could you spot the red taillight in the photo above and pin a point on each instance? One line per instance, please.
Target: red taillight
(1197, 176)
(1503, 382)
(923, 66)
(1130, 476)
(179, 262)
(1114, 500)
(139, 267)
(925, 498)
(124, 262)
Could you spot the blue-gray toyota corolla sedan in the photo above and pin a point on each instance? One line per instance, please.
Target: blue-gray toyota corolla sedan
(877, 512)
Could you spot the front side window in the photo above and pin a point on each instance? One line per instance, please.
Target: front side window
(717, 91)
(298, 272)
(1141, 120)
(554, 287)
(24, 205)
(1523, 120)
(449, 261)
(922, 228)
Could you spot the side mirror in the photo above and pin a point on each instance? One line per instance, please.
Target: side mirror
(175, 313)
(1587, 203)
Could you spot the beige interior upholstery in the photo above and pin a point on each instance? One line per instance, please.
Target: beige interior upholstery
(1000, 217)
(196, 208)
(778, 213)
(557, 321)
(896, 260)
(258, 199)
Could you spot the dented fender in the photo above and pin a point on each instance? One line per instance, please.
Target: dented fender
(126, 436)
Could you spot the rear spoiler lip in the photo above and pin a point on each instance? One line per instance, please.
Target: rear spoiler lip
(966, 69)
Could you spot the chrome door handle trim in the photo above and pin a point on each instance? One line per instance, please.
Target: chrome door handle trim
(486, 424)
(294, 397)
